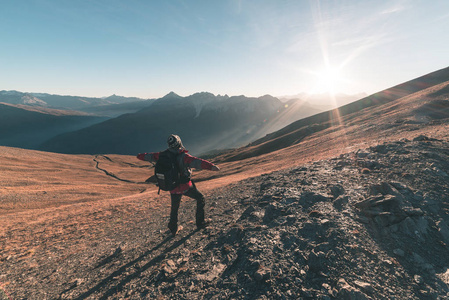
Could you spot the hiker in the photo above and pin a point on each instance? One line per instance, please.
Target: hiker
(185, 186)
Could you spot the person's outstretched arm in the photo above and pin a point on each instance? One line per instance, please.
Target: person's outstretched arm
(152, 157)
(198, 163)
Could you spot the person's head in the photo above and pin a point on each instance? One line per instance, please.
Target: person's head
(174, 142)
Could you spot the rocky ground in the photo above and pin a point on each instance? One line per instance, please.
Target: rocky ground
(371, 224)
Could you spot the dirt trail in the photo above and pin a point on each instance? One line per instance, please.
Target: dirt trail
(110, 174)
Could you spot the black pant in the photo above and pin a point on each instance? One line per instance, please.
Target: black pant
(176, 201)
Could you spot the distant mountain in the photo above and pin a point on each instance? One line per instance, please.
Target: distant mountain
(28, 127)
(61, 102)
(204, 121)
(292, 110)
(115, 110)
(325, 101)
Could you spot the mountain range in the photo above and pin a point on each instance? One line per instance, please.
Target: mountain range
(70, 124)
(206, 122)
(60, 101)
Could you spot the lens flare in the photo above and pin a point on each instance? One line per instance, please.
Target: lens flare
(328, 81)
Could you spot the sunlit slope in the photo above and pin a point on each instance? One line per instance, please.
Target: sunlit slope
(369, 110)
(398, 114)
(34, 179)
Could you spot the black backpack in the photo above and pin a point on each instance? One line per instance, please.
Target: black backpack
(166, 171)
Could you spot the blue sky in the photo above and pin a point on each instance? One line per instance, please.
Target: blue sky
(149, 48)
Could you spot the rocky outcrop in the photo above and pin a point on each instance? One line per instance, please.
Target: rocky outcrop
(328, 230)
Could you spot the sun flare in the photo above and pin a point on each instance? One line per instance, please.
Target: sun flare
(328, 80)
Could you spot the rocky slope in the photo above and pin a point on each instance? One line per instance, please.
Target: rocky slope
(370, 224)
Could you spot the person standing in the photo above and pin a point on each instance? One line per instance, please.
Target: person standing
(185, 187)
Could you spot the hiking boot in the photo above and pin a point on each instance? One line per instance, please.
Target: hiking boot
(173, 228)
(203, 224)
(177, 230)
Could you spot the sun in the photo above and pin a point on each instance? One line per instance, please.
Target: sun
(328, 80)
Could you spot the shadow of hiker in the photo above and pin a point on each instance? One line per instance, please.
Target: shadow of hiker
(119, 286)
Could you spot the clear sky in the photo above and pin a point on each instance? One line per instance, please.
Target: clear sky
(147, 48)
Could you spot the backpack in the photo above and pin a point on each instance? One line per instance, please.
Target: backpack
(166, 171)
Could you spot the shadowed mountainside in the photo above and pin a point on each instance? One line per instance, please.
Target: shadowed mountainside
(115, 110)
(28, 127)
(204, 121)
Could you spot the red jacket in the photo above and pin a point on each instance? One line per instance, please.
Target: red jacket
(187, 161)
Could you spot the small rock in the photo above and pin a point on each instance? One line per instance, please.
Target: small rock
(444, 277)
(315, 214)
(413, 212)
(364, 286)
(167, 270)
(324, 221)
(420, 138)
(399, 252)
(341, 164)
(388, 262)
(399, 186)
(272, 212)
(362, 154)
(384, 189)
(169, 267)
(418, 279)
(340, 202)
(365, 171)
(415, 227)
(349, 292)
(185, 252)
(382, 149)
(212, 274)
(259, 275)
(337, 190)
(171, 263)
(76, 282)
